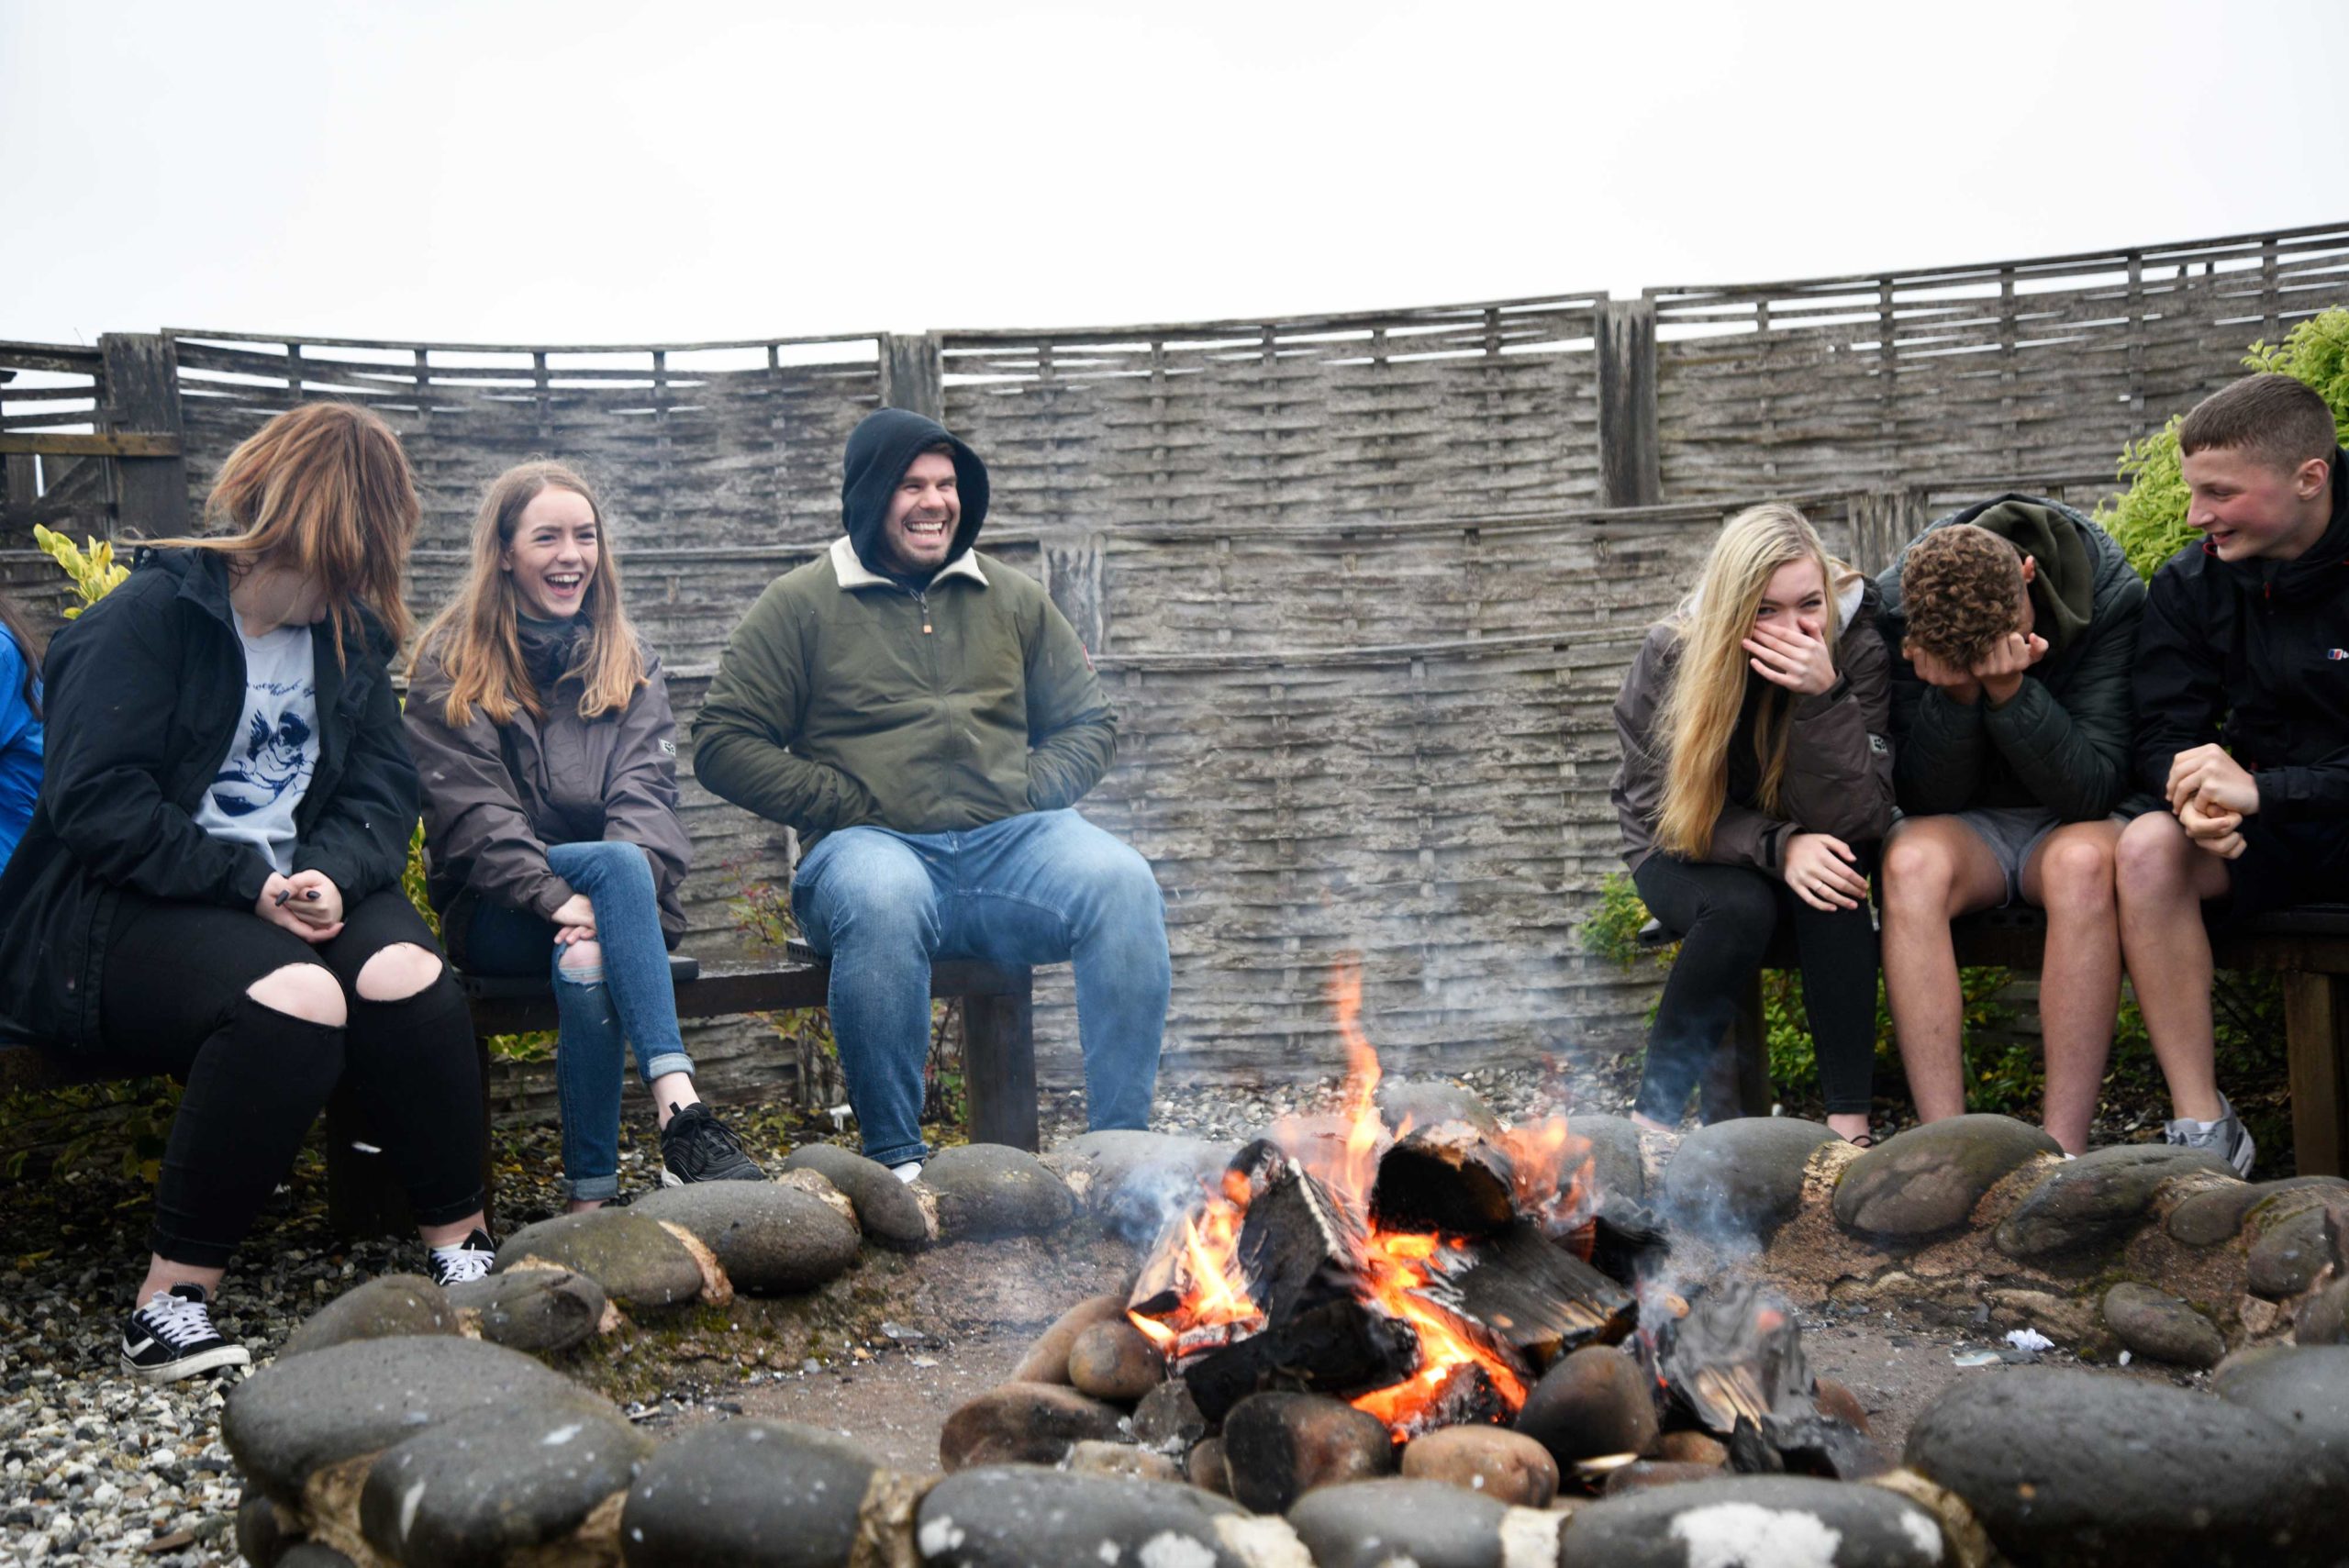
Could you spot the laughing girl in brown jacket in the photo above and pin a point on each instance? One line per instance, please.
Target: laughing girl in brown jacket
(1756, 785)
(542, 735)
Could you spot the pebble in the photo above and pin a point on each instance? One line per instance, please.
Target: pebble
(1594, 1401)
(1112, 1360)
(1493, 1461)
(1022, 1423)
(2155, 1324)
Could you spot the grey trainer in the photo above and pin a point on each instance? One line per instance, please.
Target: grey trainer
(2226, 1137)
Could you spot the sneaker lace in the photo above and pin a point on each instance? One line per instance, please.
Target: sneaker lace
(176, 1320)
(460, 1264)
(704, 1142)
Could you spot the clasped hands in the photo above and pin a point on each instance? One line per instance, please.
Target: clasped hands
(1998, 672)
(2211, 794)
(307, 903)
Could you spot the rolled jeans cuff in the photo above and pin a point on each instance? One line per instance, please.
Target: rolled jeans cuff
(667, 1062)
(589, 1189)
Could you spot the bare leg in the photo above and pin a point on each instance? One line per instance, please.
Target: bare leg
(2162, 879)
(1935, 869)
(163, 1274)
(2070, 876)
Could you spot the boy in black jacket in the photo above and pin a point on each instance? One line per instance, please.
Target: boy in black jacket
(2242, 700)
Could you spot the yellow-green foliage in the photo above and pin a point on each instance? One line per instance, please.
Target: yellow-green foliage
(2149, 518)
(90, 564)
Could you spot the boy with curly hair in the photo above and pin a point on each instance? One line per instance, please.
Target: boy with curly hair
(2014, 624)
(2243, 685)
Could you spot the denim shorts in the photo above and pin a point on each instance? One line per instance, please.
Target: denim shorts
(2012, 832)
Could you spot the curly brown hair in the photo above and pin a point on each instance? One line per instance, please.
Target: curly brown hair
(1962, 588)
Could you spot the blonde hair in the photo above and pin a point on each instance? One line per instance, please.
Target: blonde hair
(326, 490)
(1698, 719)
(477, 637)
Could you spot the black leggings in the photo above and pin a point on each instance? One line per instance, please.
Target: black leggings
(1726, 915)
(173, 1002)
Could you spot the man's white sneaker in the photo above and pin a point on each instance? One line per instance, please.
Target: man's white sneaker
(2226, 1137)
(906, 1172)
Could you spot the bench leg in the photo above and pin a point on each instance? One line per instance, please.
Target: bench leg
(1000, 1064)
(2316, 1033)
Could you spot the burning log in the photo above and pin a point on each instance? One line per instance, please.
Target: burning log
(1448, 1178)
(1342, 1346)
(1734, 1357)
(1808, 1444)
(1628, 1238)
(1466, 1397)
(1539, 1297)
(1298, 1247)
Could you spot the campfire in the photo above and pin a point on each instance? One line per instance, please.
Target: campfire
(1423, 1274)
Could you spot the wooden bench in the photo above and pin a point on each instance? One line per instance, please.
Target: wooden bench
(2308, 947)
(998, 1058)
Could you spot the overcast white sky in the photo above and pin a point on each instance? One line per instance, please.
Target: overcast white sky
(593, 173)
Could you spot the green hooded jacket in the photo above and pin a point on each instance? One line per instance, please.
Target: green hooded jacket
(2063, 742)
(848, 697)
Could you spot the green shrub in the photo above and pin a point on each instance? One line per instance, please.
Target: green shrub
(2148, 518)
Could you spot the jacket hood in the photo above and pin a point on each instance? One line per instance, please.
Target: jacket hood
(882, 447)
(2081, 569)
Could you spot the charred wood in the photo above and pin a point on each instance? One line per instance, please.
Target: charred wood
(1339, 1346)
(1539, 1297)
(1448, 1178)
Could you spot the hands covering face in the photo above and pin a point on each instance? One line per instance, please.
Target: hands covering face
(1998, 672)
(1798, 660)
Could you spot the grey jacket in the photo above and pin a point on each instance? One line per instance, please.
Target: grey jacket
(494, 798)
(1839, 765)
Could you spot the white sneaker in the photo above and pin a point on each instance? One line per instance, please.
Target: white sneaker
(906, 1172)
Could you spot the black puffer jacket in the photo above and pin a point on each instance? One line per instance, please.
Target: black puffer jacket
(143, 696)
(2062, 741)
(2253, 655)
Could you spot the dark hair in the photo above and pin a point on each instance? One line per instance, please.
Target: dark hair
(2275, 418)
(1961, 589)
(13, 627)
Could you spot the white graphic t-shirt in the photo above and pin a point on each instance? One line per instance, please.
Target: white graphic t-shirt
(268, 768)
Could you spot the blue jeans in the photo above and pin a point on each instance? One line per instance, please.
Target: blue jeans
(629, 996)
(1042, 887)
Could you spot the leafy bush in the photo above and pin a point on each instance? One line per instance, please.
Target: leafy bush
(2149, 518)
(90, 565)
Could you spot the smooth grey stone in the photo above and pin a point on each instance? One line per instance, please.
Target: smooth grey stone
(1429, 1102)
(467, 1492)
(395, 1304)
(769, 1239)
(1021, 1516)
(291, 1418)
(1168, 1418)
(2072, 1468)
(1372, 1524)
(310, 1554)
(2303, 1387)
(637, 1264)
(1614, 1154)
(2325, 1316)
(991, 1189)
(265, 1529)
(1929, 1179)
(884, 1205)
(1737, 1179)
(2157, 1325)
(1030, 1423)
(1756, 1521)
(1594, 1401)
(1134, 1182)
(2087, 1204)
(2207, 1218)
(774, 1493)
(543, 1311)
(1113, 1361)
(2290, 1252)
(1280, 1446)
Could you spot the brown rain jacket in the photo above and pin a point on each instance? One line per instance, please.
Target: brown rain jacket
(1839, 765)
(494, 798)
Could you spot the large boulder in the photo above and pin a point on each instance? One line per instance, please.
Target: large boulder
(543, 1310)
(887, 1210)
(993, 1189)
(2304, 1388)
(747, 1491)
(2066, 1467)
(2087, 1205)
(1615, 1159)
(771, 1240)
(286, 1420)
(387, 1305)
(637, 1262)
(1929, 1179)
(1133, 1181)
(1751, 1521)
(1380, 1524)
(1019, 1515)
(468, 1492)
(1742, 1178)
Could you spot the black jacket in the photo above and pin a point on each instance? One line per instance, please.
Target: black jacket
(143, 694)
(2253, 655)
(2062, 741)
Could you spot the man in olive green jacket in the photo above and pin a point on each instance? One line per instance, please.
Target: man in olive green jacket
(927, 720)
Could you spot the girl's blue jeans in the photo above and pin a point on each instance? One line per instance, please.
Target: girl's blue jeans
(628, 997)
(1041, 887)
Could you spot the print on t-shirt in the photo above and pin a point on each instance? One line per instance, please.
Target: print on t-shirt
(277, 755)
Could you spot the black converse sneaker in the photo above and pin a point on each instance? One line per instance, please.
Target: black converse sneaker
(172, 1336)
(466, 1260)
(697, 1147)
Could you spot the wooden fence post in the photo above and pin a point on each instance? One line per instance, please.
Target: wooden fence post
(913, 374)
(1630, 469)
(143, 393)
(1883, 521)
